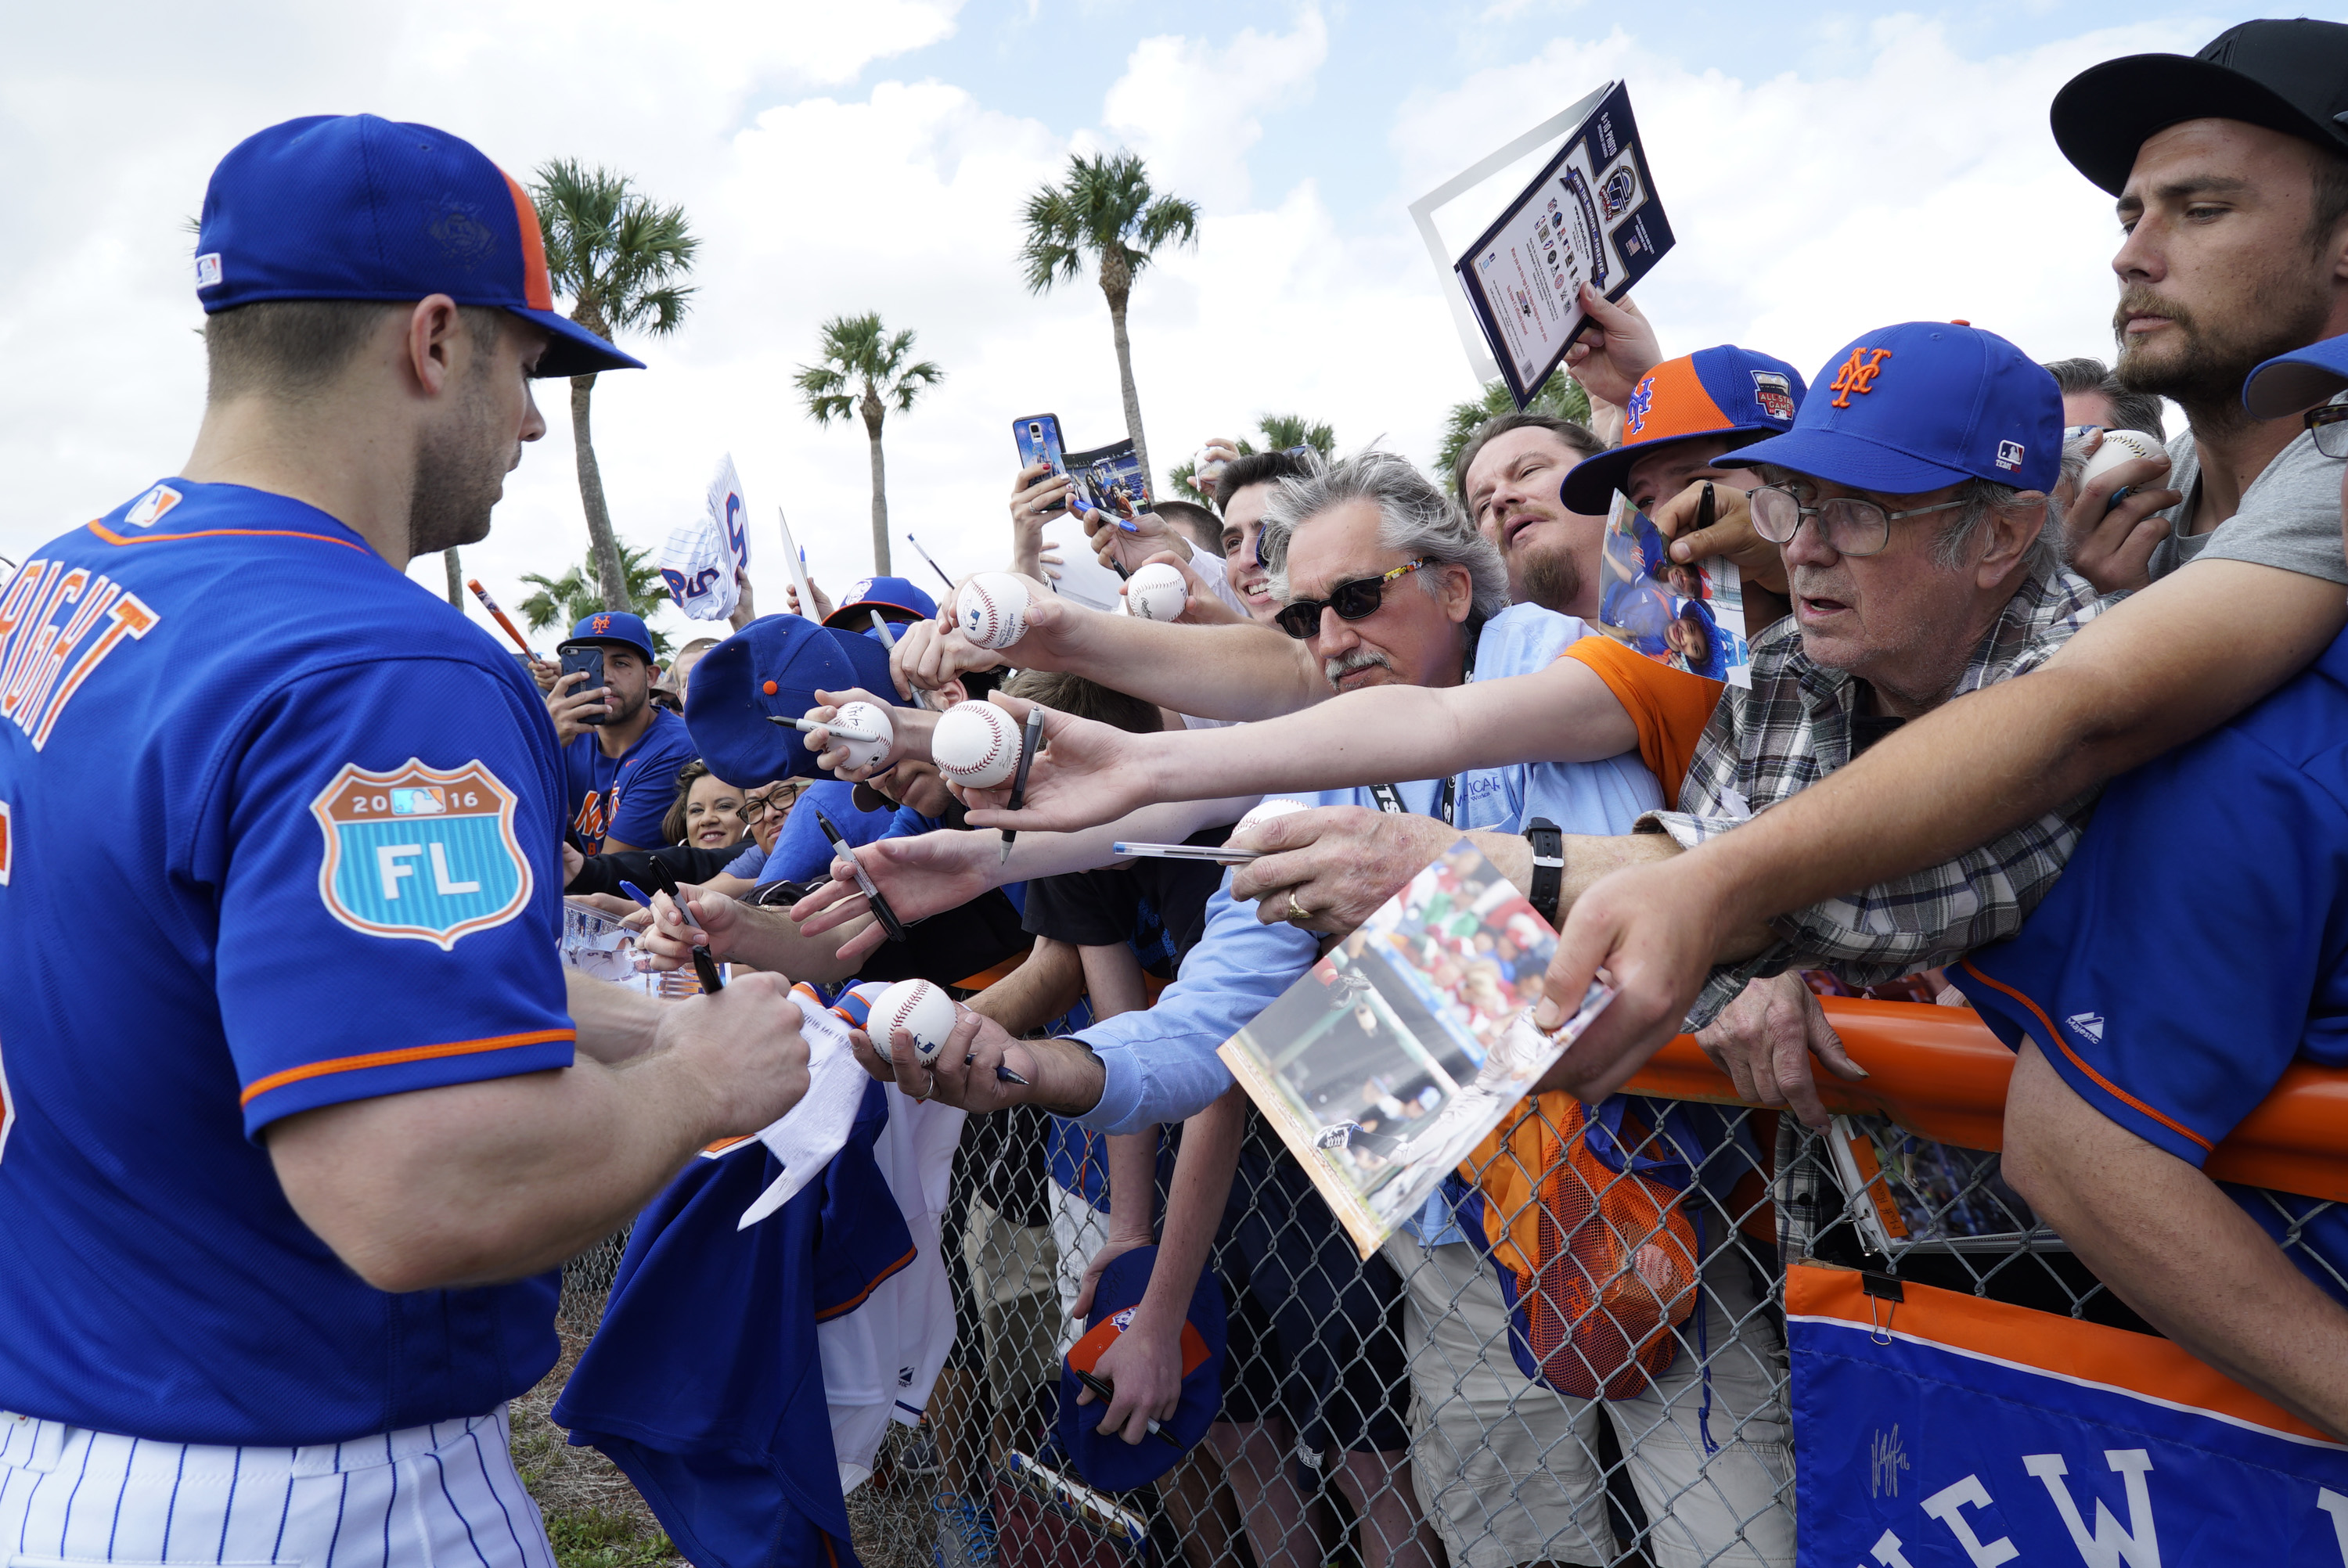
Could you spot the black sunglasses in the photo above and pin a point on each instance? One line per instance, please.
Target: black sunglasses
(1356, 600)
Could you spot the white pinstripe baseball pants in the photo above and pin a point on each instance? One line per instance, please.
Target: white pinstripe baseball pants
(442, 1496)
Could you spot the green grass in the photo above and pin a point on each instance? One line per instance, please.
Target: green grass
(601, 1538)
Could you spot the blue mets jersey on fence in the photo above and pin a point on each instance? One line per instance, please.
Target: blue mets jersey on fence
(277, 830)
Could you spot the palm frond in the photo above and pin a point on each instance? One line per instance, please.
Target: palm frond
(618, 255)
(1103, 204)
(860, 356)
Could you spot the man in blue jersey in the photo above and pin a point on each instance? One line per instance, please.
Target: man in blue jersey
(289, 1157)
(621, 754)
(2195, 949)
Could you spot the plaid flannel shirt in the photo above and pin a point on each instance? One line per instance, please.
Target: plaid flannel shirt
(1793, 728)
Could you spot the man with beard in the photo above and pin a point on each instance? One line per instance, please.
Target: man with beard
(621, 768)
(1507, 477)
(2231, 171)
(284, 1209)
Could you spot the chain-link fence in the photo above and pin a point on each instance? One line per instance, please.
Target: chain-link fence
(1578, 1358)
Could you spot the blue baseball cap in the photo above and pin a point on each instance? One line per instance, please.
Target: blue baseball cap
(615, 626)
(1104, 1459)
(355, 207)
(1921, 406)
(772, 668)
(1724, 391)
(2300, 379)
(882, 593)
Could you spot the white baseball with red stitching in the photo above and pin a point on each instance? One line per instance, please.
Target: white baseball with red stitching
(1156, 593)
(993, 611)
(921, 1011)
(864, 718)
(975, 744)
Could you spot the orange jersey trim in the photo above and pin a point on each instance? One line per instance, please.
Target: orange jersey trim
(865, 1295)
(401, 1056)
(2106, 1084)
(110, 536)
(2067, 1347)
(1670, 708)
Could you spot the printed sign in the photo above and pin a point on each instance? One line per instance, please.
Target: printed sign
(419, 852)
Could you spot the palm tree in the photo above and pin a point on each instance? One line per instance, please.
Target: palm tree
(1561, 395)
(1280, 433)
(568, 599)
(456, 577)
(619, 258)
(1106, 208)
(864, 371)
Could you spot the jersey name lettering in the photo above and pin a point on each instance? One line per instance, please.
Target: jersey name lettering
(39, 672)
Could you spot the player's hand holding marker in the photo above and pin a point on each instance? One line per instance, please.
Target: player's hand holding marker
(740, 1048)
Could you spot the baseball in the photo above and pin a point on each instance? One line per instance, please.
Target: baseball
(994, 610)
(975, 744)
(1156, 593)
(1264, 811)
(2120, 447)
(921, 1011)
(864, 718)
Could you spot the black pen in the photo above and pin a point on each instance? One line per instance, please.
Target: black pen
(925, 556)
(1104, 1393)
(704, 966)
(1704, 508)
(888, 921)
(1032, 732)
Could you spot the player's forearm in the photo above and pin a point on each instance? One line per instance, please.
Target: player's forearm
(1194, 1205)
(478, 1183)
(769, 940)
(2163, 667)
(1214, 672)
(1039, 990)
(614, 1023)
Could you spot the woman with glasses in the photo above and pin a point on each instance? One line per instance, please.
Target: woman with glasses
(731, 868)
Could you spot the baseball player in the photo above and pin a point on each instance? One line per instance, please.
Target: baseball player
(300, 1110)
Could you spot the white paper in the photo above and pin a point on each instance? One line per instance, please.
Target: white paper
(810, 1132)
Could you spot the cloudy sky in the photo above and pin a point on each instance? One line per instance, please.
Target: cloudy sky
(1825, 170)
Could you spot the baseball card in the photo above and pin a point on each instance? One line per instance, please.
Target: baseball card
(1689, 615)
(1590, 217)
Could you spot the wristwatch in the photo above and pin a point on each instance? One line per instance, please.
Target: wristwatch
(1548, 867)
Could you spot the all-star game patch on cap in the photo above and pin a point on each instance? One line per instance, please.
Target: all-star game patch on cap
(1724, 391)
(772, 668)
(1922, 405)
(1104, 1459)
(355, 207)
(2287, 75)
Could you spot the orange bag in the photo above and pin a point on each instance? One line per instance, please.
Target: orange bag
(1597, 1266)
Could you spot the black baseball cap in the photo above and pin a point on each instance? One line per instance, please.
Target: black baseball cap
(2287, 75)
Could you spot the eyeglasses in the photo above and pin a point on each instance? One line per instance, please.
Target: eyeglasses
(779, 798)
(1849, 526)
(1356, 600)
(2330, 423)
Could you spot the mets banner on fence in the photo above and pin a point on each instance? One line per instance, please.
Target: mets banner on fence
(1944, 1431)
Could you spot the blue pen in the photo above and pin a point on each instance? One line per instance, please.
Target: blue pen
(635, 892)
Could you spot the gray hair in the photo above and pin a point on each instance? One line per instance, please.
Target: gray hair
(2048, 553)
(2134, 410)
(1414, 516)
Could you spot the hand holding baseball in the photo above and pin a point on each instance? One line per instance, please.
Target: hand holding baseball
(1203, 607)
(1087, 773)
(2112, 535)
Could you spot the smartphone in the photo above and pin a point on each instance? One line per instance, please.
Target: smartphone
(1214, 854)
(584, 658)
(1038, 435)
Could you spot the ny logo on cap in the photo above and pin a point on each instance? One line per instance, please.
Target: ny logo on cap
(1857, 375)
(602, 624)
(1642, 400)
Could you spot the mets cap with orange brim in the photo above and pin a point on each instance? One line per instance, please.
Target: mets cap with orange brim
(1724, 391)
(357, 207)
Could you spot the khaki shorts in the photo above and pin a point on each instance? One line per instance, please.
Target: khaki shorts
(1012, 1271)
(1508, 1471)
(1078, 1232)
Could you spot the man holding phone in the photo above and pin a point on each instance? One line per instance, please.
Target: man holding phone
(620, 753)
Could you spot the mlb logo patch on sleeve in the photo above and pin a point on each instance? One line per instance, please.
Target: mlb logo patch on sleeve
(420, 852)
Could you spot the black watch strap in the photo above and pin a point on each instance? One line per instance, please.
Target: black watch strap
(1549, 866)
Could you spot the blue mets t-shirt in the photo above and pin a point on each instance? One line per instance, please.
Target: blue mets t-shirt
(626, 798)
(2196, 945)
(278, 831)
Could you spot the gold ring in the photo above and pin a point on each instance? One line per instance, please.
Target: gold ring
(1297, 911)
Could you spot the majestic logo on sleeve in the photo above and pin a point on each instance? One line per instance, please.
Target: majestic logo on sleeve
(420, 852)
(1857, 375)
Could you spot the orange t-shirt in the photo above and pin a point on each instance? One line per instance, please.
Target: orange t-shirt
(1670, 707)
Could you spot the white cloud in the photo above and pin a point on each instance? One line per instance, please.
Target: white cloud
(1193, 110)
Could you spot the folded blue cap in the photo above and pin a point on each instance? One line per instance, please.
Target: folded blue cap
(2300, 379)
(1104, 1459)
(355, 207)
(773, 667)
(1921, 406)
(615, 626)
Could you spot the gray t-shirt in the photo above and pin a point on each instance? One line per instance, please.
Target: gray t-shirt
(2290, 516)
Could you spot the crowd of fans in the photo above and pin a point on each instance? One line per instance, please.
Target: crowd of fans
(1912, 529)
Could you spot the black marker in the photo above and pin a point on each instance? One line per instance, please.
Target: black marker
(1104, 1393)
(888, 921)
(663, 880)
(1033, 732)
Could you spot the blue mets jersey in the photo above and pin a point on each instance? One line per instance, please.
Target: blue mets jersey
(626, 798)
(278, 831)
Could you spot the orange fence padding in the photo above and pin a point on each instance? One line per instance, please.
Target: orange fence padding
(1938, 1072)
